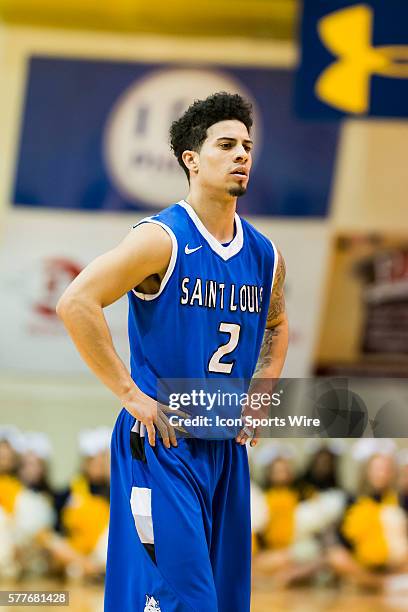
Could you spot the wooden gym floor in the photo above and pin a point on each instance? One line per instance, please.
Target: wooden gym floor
(305, 599)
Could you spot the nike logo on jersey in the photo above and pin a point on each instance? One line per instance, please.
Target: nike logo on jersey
(189, 251)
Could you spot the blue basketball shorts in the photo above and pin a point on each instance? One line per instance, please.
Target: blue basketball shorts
(179, 531)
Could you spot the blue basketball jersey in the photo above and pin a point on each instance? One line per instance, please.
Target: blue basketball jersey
(208, 318)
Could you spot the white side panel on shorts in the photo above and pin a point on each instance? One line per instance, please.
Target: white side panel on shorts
(139, 428)
(141, 504)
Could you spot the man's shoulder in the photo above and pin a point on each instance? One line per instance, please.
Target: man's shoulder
(166, 214)
(171, 211)
(173, 217)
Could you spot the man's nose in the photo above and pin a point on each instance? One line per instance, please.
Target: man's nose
(241, 155)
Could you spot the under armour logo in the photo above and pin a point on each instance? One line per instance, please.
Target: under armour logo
(151, 605)
(348, 34)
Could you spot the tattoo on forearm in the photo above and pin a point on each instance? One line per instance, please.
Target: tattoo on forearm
(265, 355)
(276, 308)
(277, 302)
(274, 319)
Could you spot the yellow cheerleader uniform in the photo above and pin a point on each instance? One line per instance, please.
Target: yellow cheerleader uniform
(281, 502)
(85, 517)
(10, 488)
(366, 526)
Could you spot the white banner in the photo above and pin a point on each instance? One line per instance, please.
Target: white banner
(41, 253)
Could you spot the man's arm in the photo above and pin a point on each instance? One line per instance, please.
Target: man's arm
(275, 341)
(145, 251)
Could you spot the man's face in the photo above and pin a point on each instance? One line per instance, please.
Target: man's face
(224, 161)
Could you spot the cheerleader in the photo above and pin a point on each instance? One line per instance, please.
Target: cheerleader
(293, 541)
(24, 513)
(373, 532)
(79, 547)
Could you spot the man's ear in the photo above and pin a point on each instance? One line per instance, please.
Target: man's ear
(191, 160)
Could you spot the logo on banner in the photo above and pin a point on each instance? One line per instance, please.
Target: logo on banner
(348, 34)
(57, 273)
(136, 148)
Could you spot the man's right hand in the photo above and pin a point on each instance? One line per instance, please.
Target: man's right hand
(151, 413)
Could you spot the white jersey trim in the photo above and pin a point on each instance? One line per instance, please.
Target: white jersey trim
(275, 263)
(226, 252)
(172, 262)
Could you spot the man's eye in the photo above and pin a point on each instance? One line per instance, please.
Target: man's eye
(225, 145)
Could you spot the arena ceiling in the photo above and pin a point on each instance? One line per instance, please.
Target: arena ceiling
(233, 18)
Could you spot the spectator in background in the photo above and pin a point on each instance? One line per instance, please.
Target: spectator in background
(281, 497)
(321, 473)
(34, 465)
(403, 478)
(259, 515)
(10, 488)
(83, 511)
(274, 541)
(10, 447)
(294, 542)
(373, 530)
(24, 513)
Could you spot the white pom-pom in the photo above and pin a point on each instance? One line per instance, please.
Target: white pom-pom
(365, 448)
(94, 441)
(32, 513)
(259, 509)
(38, 443)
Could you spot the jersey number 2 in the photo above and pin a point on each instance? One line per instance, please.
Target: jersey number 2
(215, 365)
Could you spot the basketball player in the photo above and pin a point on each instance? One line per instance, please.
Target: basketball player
(203, 285)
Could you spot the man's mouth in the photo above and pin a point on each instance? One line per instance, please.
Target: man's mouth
(240, 172)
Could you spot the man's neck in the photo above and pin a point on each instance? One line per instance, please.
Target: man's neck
(215, 214)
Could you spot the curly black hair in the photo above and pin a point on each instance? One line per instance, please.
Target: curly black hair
(189, 131)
